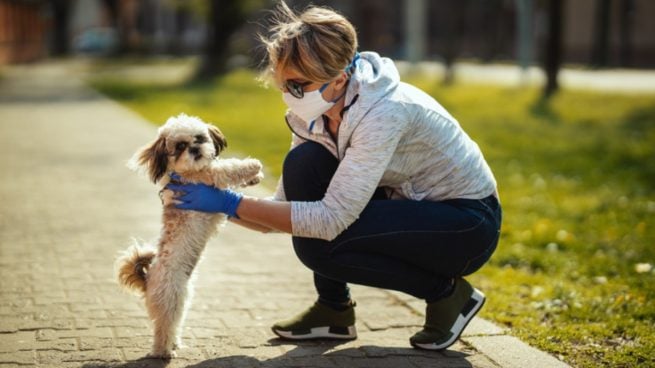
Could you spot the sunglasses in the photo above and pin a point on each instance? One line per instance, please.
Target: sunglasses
(297, 89)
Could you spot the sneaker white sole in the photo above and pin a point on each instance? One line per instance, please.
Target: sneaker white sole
(470, 310)
(348, 333)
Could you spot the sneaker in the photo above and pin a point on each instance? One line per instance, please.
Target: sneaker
(445, 319)
(319, 322)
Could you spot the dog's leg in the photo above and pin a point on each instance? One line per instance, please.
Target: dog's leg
(228, 172)
(235, 172)
(181, 316)
(165, 299)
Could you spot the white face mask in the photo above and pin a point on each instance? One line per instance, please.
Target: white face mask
(310, 106)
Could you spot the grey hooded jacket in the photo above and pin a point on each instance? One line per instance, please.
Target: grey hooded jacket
(395, 136)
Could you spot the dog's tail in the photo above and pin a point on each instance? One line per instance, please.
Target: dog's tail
(132, 267)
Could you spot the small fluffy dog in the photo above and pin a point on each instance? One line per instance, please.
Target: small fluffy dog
(162, 274)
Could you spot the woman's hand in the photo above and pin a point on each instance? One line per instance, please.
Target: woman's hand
(205, 198)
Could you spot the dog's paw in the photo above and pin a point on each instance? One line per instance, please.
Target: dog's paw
(252, 172)
(161, 355)
(178, 345)
(253, 165)
(254, 180)
(167, 197)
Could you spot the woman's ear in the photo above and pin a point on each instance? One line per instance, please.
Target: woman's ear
(341, 81)
(220, 143)
(153, 159)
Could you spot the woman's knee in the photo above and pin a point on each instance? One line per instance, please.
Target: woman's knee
(314, 256)
(307, 171)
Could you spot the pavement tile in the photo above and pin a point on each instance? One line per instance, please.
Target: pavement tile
(103, 355)
(21, 340)
(458, 349)
(45, 322)
(239, 361)
(132, 331)
(11, 324)
(95, 332)
(388, 362)
(142, 342)
(237, 319)
(46, 335)
(13, 299)
(479, 326)
(18, 357)
(208, 333)
(477, 360)
(68, 344)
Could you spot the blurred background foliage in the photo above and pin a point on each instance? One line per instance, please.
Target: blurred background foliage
(546, 33)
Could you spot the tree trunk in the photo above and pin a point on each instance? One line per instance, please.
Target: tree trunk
(524, 37)
(455, 26)
(625, 33)
(225, 17)
(60, 20)
(601, 34)
(553, 54)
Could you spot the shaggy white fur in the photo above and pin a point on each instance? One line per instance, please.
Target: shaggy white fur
(162, 273)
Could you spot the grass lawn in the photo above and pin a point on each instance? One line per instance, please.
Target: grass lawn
(577, 181)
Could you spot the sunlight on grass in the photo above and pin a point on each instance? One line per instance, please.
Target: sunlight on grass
(577, 181)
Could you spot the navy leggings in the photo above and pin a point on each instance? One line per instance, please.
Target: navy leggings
(417, 247)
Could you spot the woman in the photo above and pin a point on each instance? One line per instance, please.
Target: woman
(381, 187)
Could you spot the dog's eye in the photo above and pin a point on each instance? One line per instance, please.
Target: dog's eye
(181, 146)
(200, 139)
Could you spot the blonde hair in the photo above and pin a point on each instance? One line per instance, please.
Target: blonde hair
(318, 43)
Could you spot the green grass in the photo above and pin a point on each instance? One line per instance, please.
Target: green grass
(577, 182)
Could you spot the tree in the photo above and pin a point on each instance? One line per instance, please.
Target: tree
(601, 34)
(454, 28)
(524, 42)
(627, 14)
(123, 17)
(60, 25)
(223, 19)
(553, 49)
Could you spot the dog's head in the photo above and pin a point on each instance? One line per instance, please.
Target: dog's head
(184, 144)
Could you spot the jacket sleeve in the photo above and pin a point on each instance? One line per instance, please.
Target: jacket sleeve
(371, 146)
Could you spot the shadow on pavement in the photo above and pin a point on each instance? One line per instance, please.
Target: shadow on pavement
(139, 363)
(304, 356)
(311, 354)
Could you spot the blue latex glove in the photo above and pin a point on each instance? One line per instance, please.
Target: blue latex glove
(205, 198)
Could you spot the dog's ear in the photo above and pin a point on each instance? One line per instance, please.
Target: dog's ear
(153, 159)
(220, 143)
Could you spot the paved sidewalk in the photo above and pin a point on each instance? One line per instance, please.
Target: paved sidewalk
(69, 204)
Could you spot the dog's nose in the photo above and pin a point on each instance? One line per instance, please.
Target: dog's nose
(194, 151)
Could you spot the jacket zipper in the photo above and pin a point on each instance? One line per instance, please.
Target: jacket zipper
(294, 132)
